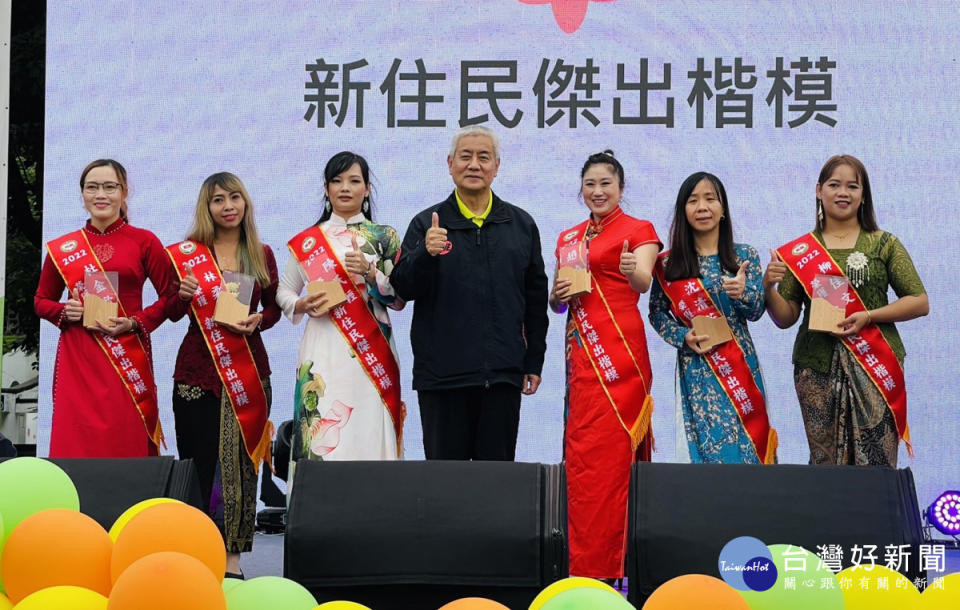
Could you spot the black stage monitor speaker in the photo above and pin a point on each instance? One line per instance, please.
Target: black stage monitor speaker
(681, 515)
(109, 486)
(420, 534)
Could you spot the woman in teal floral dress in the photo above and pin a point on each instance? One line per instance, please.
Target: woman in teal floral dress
(701, 245)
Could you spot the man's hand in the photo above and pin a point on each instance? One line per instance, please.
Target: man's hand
(530, 384)
(436, 238)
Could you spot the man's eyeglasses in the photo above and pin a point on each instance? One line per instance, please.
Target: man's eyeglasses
(91, 188)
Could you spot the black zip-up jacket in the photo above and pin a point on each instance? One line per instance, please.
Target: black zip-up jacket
(480, 309)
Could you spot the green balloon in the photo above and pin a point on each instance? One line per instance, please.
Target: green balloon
(587, 597)
(813, 588)
(2, 539)
(29, 485)
(269, 592)
(229, 584)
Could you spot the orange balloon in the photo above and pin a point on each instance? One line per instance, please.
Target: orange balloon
(695, 591)
(166, 580)
(178, 528)
(474, 603)
(133, 511)
(56, 547)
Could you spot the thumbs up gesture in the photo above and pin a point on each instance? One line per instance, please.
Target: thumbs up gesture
(188, 285)
(628, 260)
(776, 270)
(735, 286)
(73, 308)
(354, 260)
(436, 237)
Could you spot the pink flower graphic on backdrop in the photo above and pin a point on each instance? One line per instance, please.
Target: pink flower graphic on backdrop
(568, 13)
(325, 431)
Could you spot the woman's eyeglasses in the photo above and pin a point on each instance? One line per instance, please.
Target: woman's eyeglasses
(91, 188)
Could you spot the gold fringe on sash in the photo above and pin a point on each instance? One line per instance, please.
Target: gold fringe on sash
(772, 442)
(157, 436)
(906, 441)
(262, 452)
(642, 425)
(403, 418)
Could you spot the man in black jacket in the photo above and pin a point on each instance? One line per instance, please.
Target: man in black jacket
(472, 266)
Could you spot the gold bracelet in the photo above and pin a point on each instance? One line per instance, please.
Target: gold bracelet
(869, 317)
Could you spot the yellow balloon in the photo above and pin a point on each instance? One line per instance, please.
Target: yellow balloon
(5, 604)
(341, 605)
(879, 588)
(131, 512)
(574, 582)
(941, 594)
(74, 598)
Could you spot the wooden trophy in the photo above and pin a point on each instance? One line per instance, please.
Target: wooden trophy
(100, 298)
(716, 329)
(574, 266)
(335, 294)
(233, 301)
(827, 306)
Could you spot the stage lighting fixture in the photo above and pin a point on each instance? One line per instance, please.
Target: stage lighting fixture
(944, 513)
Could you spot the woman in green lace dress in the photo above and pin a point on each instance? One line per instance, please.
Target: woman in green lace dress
(847, 418)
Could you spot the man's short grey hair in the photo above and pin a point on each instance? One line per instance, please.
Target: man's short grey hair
(475, 130)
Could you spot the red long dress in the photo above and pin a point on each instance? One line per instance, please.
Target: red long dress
(93, 412)
(597, 448)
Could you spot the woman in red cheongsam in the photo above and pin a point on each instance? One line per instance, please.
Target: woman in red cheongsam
(608, 370)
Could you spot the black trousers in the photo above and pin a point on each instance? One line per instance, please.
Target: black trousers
(196, 414)
(473, 423)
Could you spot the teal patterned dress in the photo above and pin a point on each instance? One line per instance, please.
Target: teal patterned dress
(713, 430)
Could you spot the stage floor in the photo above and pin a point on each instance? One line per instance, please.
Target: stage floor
(266, 558)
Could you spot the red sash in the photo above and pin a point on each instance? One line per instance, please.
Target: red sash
(230, 351)
(354, 321)
(806, 258)
(618, 371)
(73, 257)
(688, 299)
